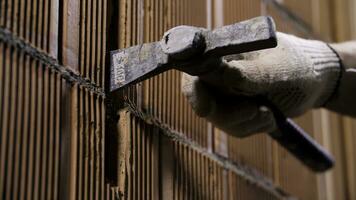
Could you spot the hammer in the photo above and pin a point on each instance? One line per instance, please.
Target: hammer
(183, 46)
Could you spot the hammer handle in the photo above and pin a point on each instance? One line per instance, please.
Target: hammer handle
(299, 143)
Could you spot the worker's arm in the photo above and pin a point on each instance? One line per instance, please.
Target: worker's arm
(345, 97)
(296, 76)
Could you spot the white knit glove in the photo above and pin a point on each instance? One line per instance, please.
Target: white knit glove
(295, 76)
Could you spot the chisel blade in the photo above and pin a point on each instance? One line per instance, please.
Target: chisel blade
(136, 63)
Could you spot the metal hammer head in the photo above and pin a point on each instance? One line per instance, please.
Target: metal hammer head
(182, 42)
(182, 45)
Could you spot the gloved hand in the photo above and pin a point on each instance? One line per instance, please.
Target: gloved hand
(295, 76)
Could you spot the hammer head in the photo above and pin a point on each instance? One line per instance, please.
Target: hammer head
(183, 45)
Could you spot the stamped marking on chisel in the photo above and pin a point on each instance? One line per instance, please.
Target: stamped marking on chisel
(119, 68)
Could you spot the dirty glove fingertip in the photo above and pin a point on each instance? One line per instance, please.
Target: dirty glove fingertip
(202, 102)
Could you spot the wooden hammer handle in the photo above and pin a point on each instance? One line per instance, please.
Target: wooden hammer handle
(299, 143)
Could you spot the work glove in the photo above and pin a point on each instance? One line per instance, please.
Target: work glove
(294, 77)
